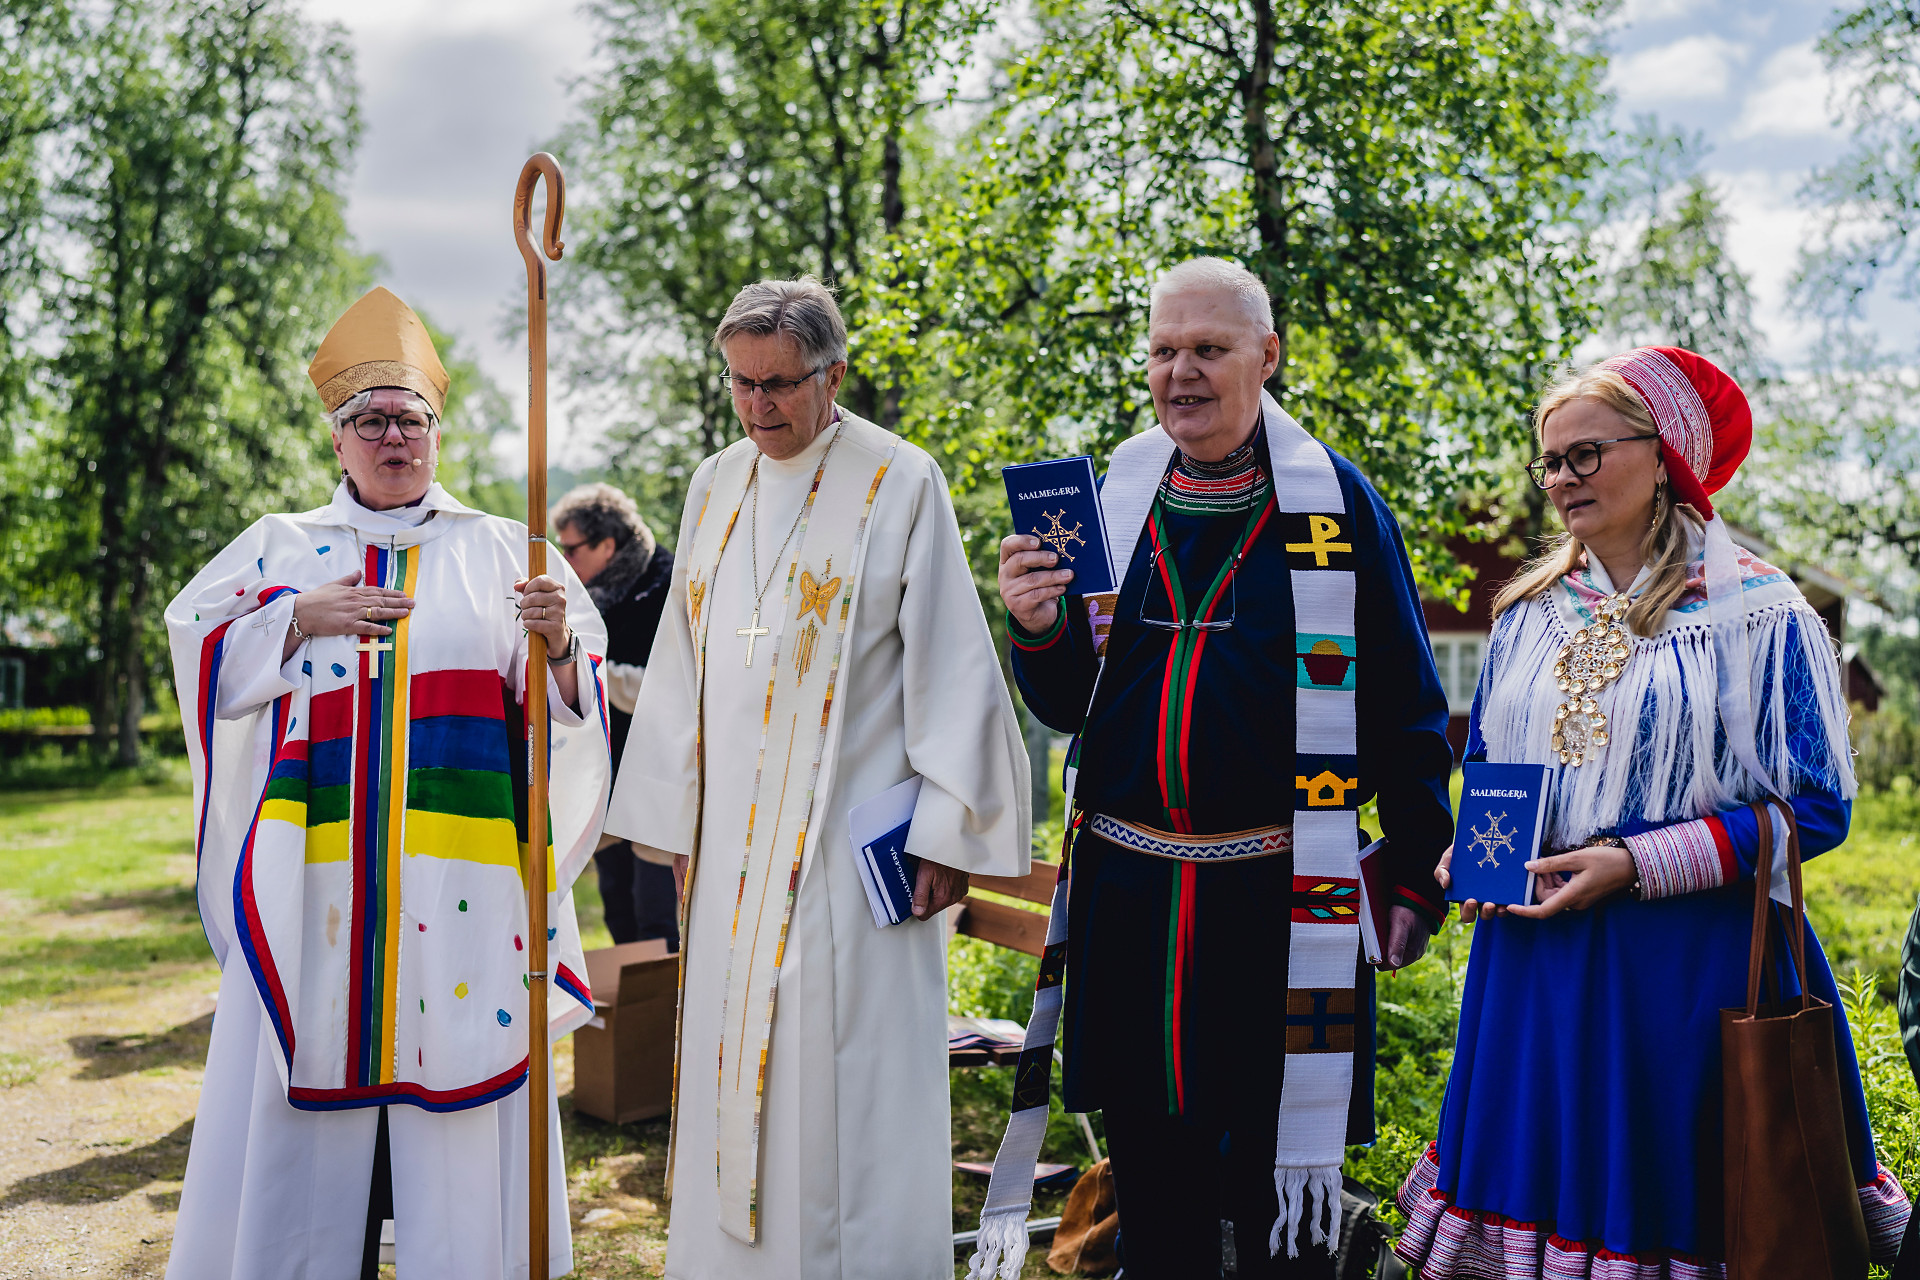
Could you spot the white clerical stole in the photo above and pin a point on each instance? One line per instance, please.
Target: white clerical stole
(807, 633)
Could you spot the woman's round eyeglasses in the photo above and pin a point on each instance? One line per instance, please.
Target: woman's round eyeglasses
(1583, 460)
(373, 426)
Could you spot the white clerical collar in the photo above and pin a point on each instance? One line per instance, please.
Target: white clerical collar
(808, 458)
(346, 510)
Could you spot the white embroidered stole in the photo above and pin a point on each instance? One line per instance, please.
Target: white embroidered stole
(808, 635)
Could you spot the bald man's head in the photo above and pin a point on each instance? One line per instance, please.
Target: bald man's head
(1210, 346)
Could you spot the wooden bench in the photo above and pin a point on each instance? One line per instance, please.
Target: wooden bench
(1004, 925)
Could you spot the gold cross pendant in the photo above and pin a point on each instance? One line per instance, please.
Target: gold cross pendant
(374, 646)
(752, 631)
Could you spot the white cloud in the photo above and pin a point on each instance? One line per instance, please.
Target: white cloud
(1768, 227)
(1691, 68)
(1634, 12)
(1792, 97)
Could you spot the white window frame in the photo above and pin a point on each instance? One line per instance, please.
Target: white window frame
(1450, 653)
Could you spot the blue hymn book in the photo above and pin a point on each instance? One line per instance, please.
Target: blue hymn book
(1059, 503)
(1503, 814)
(879, 829)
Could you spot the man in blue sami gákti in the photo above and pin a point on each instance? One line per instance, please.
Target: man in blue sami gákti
(1263, 671)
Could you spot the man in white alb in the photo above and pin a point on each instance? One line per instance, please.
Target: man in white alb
(822, 642)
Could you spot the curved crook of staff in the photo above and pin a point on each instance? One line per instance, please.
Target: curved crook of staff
(537, 871)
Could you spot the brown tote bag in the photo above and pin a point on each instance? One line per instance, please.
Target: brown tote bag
(1792, 1209)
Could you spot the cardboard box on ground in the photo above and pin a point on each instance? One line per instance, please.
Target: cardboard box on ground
(623, 1059)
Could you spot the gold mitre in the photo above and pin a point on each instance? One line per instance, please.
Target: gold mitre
(379, 342)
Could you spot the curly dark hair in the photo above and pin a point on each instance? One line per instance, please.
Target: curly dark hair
(597, 511)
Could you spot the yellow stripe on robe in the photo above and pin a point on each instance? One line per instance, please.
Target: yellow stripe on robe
(460, 838)
(325, 843)
(328, 842)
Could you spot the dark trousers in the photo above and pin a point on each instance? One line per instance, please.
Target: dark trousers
(638, 897)
(379, 1203)
(1177, 1182)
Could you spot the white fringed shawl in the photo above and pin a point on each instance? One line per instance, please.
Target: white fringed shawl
(1669, 760)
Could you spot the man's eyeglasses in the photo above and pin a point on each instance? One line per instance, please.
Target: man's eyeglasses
(774, 387)
(568, 548)
(373, 426)
(1157, 611)
(1583, 460)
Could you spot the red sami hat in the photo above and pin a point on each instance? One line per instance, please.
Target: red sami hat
(1706, 425)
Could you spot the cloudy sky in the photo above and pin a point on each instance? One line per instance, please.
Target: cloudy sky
(455, 96)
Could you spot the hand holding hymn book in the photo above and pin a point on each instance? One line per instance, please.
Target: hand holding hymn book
(1503, 814)
(1058, 502)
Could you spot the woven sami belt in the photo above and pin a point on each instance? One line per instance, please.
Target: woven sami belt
(1261, 842)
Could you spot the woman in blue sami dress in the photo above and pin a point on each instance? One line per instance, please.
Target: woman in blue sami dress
(1581, 1132)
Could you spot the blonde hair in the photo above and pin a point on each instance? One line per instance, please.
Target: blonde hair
(1668, 545)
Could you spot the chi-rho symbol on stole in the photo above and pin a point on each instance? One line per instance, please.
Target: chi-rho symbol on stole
(808, 632)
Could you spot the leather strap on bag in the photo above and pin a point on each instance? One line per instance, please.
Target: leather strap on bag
(1759, 951)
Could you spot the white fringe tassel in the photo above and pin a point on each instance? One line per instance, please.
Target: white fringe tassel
(1308, 1192)
(1662, 763)
(1001, 1249)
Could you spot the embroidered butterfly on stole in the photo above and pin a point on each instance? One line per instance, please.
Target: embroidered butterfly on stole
(815, 595)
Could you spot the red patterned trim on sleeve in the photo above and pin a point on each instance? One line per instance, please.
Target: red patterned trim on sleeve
(1045, 640)
(1686, 857)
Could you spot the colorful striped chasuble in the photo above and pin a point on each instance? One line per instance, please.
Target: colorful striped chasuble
(377, 890)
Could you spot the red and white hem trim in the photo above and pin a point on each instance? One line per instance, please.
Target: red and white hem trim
(1446, 1242)
(1686, 857)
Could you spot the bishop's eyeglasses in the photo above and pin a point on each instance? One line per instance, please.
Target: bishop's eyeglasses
(1583, 459)
(373, 426)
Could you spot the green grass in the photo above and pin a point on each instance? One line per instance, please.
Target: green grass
(98, 893)
(98, 890)
(1861, 896)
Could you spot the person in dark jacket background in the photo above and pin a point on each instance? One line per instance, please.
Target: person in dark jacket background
(626, 571)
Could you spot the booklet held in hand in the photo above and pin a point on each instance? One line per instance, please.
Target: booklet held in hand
(1059, 503)
(1503, 814)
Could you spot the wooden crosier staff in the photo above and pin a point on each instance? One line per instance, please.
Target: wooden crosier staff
(537, 1065)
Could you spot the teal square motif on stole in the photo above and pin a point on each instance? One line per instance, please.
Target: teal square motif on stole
(1326, 782)
(1325, 661)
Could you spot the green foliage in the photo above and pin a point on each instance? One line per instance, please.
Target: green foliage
(477, 415)
(195, 176)
(1855, 420)
(41, 717)
(709, 176)
(1406, 178)
(1872, 191)
(1670, 280)
(1893, 1101)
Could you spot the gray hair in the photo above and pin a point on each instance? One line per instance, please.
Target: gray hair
(1218, 273)
(358, 403)
(597, 511)
(803, 310)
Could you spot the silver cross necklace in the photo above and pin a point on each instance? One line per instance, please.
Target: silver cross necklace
(753, 630)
